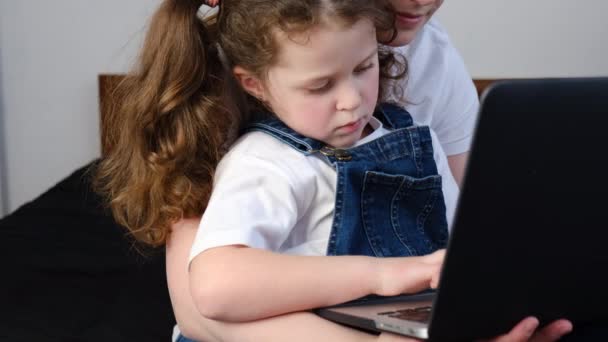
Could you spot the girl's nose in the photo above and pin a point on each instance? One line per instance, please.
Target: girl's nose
(349, 98)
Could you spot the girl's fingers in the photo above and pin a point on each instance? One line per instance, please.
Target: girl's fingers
(434, 258)
(435, 280)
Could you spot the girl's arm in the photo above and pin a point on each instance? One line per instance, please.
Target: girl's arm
(257, 200)
(235, 283)
(299, 326)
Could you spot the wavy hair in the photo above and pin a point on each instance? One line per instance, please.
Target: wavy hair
(180, 109)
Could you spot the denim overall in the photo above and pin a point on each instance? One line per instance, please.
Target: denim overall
(389, 199)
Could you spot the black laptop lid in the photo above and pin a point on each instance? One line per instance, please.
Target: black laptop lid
(530, 235)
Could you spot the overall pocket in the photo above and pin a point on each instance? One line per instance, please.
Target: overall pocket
(403, 215)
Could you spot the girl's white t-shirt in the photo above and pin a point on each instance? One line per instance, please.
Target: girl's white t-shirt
(268, 195)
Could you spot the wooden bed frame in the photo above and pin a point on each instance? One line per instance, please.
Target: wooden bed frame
(108, 82)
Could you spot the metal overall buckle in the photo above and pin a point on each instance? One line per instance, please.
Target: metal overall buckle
(338, 153)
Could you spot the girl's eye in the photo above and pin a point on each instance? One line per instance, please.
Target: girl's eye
(364, 68)
(321, 89)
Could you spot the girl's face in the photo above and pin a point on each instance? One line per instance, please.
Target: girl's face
(324, 84)
(410, 18)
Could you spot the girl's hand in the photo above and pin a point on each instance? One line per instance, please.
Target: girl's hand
(408, 274)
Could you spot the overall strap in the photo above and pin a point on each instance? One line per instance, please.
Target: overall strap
(279, 130)
(393, 116)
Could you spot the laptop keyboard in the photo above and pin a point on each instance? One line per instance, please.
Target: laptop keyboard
(421, 314)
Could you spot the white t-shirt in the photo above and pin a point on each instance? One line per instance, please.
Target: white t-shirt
(269, 195)
(439, 88)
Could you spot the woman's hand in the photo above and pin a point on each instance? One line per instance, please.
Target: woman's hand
(526, 331)
(408, 274)
(413, 274)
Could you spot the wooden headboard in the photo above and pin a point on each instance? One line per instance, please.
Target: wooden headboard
(108, 83)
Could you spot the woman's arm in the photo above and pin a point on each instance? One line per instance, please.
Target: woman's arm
(299, 326)
(458, 163)
(302, 326)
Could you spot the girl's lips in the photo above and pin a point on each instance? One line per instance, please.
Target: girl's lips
(351, 126)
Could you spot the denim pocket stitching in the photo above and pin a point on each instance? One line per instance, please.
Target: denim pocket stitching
(366, 227)
(395, 217)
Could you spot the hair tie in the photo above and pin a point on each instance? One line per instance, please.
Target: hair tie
(212, 3)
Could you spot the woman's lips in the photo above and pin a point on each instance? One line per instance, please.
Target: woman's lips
(409, 20)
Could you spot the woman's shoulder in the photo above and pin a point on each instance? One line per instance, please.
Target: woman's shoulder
(437, 74)
(431, 38)
(435, 32)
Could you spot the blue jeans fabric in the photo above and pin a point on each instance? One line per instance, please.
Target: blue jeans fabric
(182, 338)
(389, 199)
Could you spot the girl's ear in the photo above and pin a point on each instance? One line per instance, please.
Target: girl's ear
(249, 82)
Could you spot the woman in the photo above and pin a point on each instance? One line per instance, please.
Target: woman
(433, 61)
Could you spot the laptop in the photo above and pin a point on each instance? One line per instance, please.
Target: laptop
(530, 234)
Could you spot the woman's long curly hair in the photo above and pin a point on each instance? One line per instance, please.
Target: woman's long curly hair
(176, 114)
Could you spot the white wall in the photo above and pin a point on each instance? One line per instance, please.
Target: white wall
(52, 51)
(3, 192)
(524, 38)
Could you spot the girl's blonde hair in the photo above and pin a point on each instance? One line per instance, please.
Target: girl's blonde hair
(180, 109)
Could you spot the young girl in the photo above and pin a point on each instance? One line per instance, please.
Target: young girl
(328, 173)
(321, 169)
